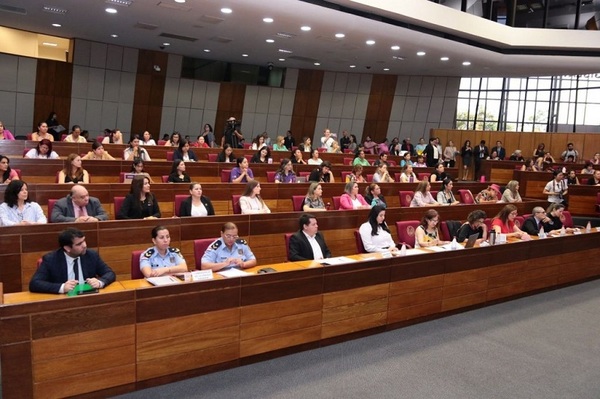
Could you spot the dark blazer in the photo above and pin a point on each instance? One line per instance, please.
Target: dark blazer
(186, 206)
(129, 211)
(429, 153)
(501, 152)
(63, 210)
(530, 226)
(174, 178)
(477, 151)
(300, 248)
(52, 273)
(177, 154)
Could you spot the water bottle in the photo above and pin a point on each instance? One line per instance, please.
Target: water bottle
(454, 244)
(403, 250)
(563, 231)
(588, 227)
(542, 234)
(492, 237)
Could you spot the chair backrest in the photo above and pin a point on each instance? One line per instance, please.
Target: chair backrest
(99, 139)
(235, 201)
(567, 219)
(348, 151)
(434, 194)
(118, 202)
(336, 202)
(247, 146)
(583, 180)
(287, 237)
(18, 172)
(225, 175)
(136, 273)
(519, 221)
(179, 198)
(170, 155)
(26, 150)
(271, 176)
(397, 176)
(164, 178)
(212, 157)
(29, 136)
(444, 231)
(63, 137)
(391, 163)
(466, 196)
(423, 176)
(200, 247)
(122, 177)
(248, 157)
(360, 248)
(51, 202)
(161, 142)
(304, 174)
(488, 223)
(345, 174)
(298, 202)
(405, 198)
(321, 149)
(406, 231)
(369, 177)
(347, 161)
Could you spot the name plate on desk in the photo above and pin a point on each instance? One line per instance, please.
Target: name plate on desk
(202, 275)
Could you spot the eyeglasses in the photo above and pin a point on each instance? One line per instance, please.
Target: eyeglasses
(231, 237)
(514, 213)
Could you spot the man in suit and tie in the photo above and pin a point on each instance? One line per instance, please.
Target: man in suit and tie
(501, 151)
(78, 207)
(307, 243)
(432, 153)
(480, 153)
(70, 265)
(532, 224)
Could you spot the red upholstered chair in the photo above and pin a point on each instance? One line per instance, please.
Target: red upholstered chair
(466, 197)
(347, 161)
(406, 231)
(488, 223)
(360, 248)
(136, 273)
(434, 194)
(406, 197)
(99, 139)
(567, 220)
(598, 204)
(583, 181)
(63, 137)
(271, 176)
(397, 176)
(423, 176)
(51, 202)
(247, 146)
(322, 149)
(161, 142)
(369, 177)
(298, 202)
(200, 247)
(29, 136)
(526, 216)
(170, 156)
(118, 202)
(336, 202)
(519, 221)
(164, 178)
(391, 163)
(348, 151)
(444, 231)
(18, 172)
(344, 174)
(212, 157)
(304, 174)
(26, 150)
(179, 198)
(287, 237)
(122, 177)
(225, 175)
(248, 157)
(235, 201)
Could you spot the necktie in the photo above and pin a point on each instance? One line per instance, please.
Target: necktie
(82, 211)
(77, 270)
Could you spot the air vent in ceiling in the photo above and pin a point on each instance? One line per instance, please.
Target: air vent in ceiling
(174, 6)
(285, 35)
(55, 10)
(304, 59)
(221, 39)
(12, 9)
(143, 25)
(178, 37)
(122, 3)
(209, 19)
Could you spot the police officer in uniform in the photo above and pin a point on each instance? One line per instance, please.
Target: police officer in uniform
(228, 251)
(161, 259)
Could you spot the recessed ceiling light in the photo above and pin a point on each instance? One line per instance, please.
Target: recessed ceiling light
(166, 44)
(370, 42)
(305, 28)
(226, 10)
(467, 63)
(114, 36)
(57, 25)
(352, 66)
(49, 44)
(421, 53)
(386, 69)
(340, 35)
(282, 59)
(395, 48)
(444, 59)
(270, 41)
(317, 63)
(179, 1)
(206, 50)
(111, 10)
(244, 55)
(268, 20)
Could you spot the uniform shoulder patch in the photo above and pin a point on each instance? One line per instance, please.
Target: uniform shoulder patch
(215, 244)
(148, 253)
(174, 250)
(241, 241)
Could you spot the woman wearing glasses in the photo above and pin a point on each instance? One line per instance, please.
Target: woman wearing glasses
(427, 234)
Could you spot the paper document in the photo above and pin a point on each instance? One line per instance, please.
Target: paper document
(444, 248)
(339, 260)
(415, 251)
(233, 272)
(163, 280)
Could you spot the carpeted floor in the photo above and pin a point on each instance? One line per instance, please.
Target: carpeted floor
(544, 346)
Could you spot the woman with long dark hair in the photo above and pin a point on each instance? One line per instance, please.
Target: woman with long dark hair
(178, 174)
(73, 171)
(251, 201)
(140, 203)
(375, 234)
(7, 174)
(17, 208)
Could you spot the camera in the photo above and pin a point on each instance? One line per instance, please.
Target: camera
(270, 65)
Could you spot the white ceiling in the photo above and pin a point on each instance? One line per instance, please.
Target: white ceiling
(228, 36)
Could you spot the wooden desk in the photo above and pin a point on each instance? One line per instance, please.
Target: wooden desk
(102, 345)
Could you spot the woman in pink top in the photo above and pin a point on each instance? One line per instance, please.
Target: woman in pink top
(5, 134)
(351, 199)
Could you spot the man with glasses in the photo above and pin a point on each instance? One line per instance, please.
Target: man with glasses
(534, 223)
(228, 252)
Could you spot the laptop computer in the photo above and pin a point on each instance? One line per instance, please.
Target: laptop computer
(471, 240)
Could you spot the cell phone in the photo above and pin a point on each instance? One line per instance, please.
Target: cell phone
(265, 270)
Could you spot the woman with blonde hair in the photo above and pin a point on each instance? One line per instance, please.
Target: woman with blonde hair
(279, 144)
(423, 195)
(251, 201)
(356, 175)
(511, 193)
(314, 199)
(382, 175)
(73, 172)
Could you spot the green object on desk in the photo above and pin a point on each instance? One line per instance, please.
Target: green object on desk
(80, 289)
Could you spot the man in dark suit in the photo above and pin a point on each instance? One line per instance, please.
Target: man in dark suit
(501, 151)
(78, 206)
(533, 223)
(432, 153)
(72, 264)
(407, 146)
(307, 243)
(480, 153)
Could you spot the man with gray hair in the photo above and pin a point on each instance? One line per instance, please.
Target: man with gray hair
(532, 224)
(78, 207)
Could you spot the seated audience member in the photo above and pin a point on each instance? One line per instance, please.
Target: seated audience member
(535, 222)
(511, 193)
(226, 155)
(307, 243)
(285, 173)
(78, 207)
(262, 156)
(75, 135)
(314, 199)
(370, 145)
(42, 151)
(137, 168)
(314, 159)
(335, 148)
(178, 174)
(17, 209)
(570, 152)
(556, 189)
(289, 140)
(375, 234)
(322, 174)
(406, 160)
(445, 195)
(427, 233)
(356, 175)
(7, 174)
(517, 156)
(474, 225)
(297, 157)
(229, 251)
(422, 196)
(280, 144)
(352, 145)
(98, 153)
(184, 152)
(162, 259)
(251, 201)
(383, 156)
(595, 179)
(42, 133)
(140, 203)
(73, 172)
(572, 178)
(374, 197)
(420, 162)
(488, 195)
(259, 142)
(548, 158)
(408, 176)
(588, 169)
(555, 217)
(242, 172)
(305, 146)
(196, 204)
(596, 159)
(134, 151)
(439, 174)
(72, 264)
(494, 156)
(201, 143)
(112, 137)
(360, 159)
(351, 199)
(147, 139)
(174, 140)
(504, 222)
(382, 175)
(5, 134)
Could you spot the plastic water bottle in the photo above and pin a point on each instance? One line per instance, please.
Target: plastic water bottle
(403, 250)
(563, 231)
(588, 227)
(542, 233)
(453, 244)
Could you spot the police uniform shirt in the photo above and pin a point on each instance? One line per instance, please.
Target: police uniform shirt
(218, 252)
(152, 258)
